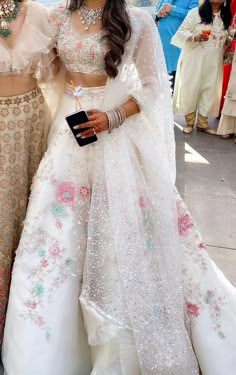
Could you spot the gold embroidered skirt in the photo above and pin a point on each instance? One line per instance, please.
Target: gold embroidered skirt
(22, 142)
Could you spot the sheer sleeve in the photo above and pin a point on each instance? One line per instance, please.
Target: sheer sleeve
(186, 29)
(33, 53)
(44, 68)
(152, 90)
(148, 67)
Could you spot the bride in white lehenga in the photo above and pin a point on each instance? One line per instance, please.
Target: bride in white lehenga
(111, 276)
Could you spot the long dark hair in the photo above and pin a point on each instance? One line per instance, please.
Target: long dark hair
(206, 13)
(117, 28)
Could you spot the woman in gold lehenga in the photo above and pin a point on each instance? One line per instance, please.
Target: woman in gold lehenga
(25, 57)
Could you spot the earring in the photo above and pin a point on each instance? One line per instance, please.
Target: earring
(225, 3)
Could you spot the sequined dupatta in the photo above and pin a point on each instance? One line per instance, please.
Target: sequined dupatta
(142, 249)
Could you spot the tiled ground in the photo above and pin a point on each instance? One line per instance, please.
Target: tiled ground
(206, 179)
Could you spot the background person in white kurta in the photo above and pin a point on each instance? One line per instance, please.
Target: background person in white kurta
(199, 71)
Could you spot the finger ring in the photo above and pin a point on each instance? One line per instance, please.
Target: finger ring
(94, 131)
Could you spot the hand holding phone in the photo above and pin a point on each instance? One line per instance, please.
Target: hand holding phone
(77, 118)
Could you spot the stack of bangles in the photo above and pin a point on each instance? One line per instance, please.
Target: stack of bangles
(116, 117)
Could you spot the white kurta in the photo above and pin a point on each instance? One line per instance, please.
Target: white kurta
(199, 72)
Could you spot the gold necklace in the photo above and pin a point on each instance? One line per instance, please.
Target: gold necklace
(9, 10)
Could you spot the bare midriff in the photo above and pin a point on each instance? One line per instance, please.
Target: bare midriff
(86, 80)
(11, 85)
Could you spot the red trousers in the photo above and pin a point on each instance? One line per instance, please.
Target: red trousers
(226, 74)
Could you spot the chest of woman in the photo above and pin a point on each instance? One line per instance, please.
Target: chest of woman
(29, 49)
(81, 53)
(217, 35)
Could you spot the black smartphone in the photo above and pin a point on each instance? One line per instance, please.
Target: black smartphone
(77, 118)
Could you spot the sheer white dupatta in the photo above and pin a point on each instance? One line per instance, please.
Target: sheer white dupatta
(133, 275)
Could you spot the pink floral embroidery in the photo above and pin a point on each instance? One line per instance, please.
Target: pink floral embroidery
(91, 55)
(84, 192)
(192, 309)
(53, 268)
(191, 240)
(39, 321)
(55, 250)
(44, 262)
(58, 224)
(79, 44)
(31, 304)
(65, 192)
(210, 293)
(53, 16)
(208, 301)
(184, 224)
(141, 202)
(202, 246)
(4, 112)
(26, 108)
(2, 125)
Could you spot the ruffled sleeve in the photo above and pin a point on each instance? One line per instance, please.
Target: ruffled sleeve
(33, 50)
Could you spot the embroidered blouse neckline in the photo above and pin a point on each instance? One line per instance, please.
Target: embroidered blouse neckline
(12, 47)
(87, 35)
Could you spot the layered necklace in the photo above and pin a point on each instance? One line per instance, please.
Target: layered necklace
(9, 10)
(90, 16)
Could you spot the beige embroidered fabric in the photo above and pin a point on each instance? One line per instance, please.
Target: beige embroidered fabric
(24, 122)
(22, 141)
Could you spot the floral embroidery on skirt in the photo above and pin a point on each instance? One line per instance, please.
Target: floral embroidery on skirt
(21, 149)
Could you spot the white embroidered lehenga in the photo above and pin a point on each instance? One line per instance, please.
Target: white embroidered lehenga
(111, 276)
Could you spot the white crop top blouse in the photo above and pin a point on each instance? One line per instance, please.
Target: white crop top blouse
(78, 53)
(32, 52)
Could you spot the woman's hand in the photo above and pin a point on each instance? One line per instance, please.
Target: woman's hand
(200, 37)
(98, 122)
(161, 13)
(166, 7)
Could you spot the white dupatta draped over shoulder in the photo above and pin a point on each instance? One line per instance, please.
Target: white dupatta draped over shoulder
(151, 301)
